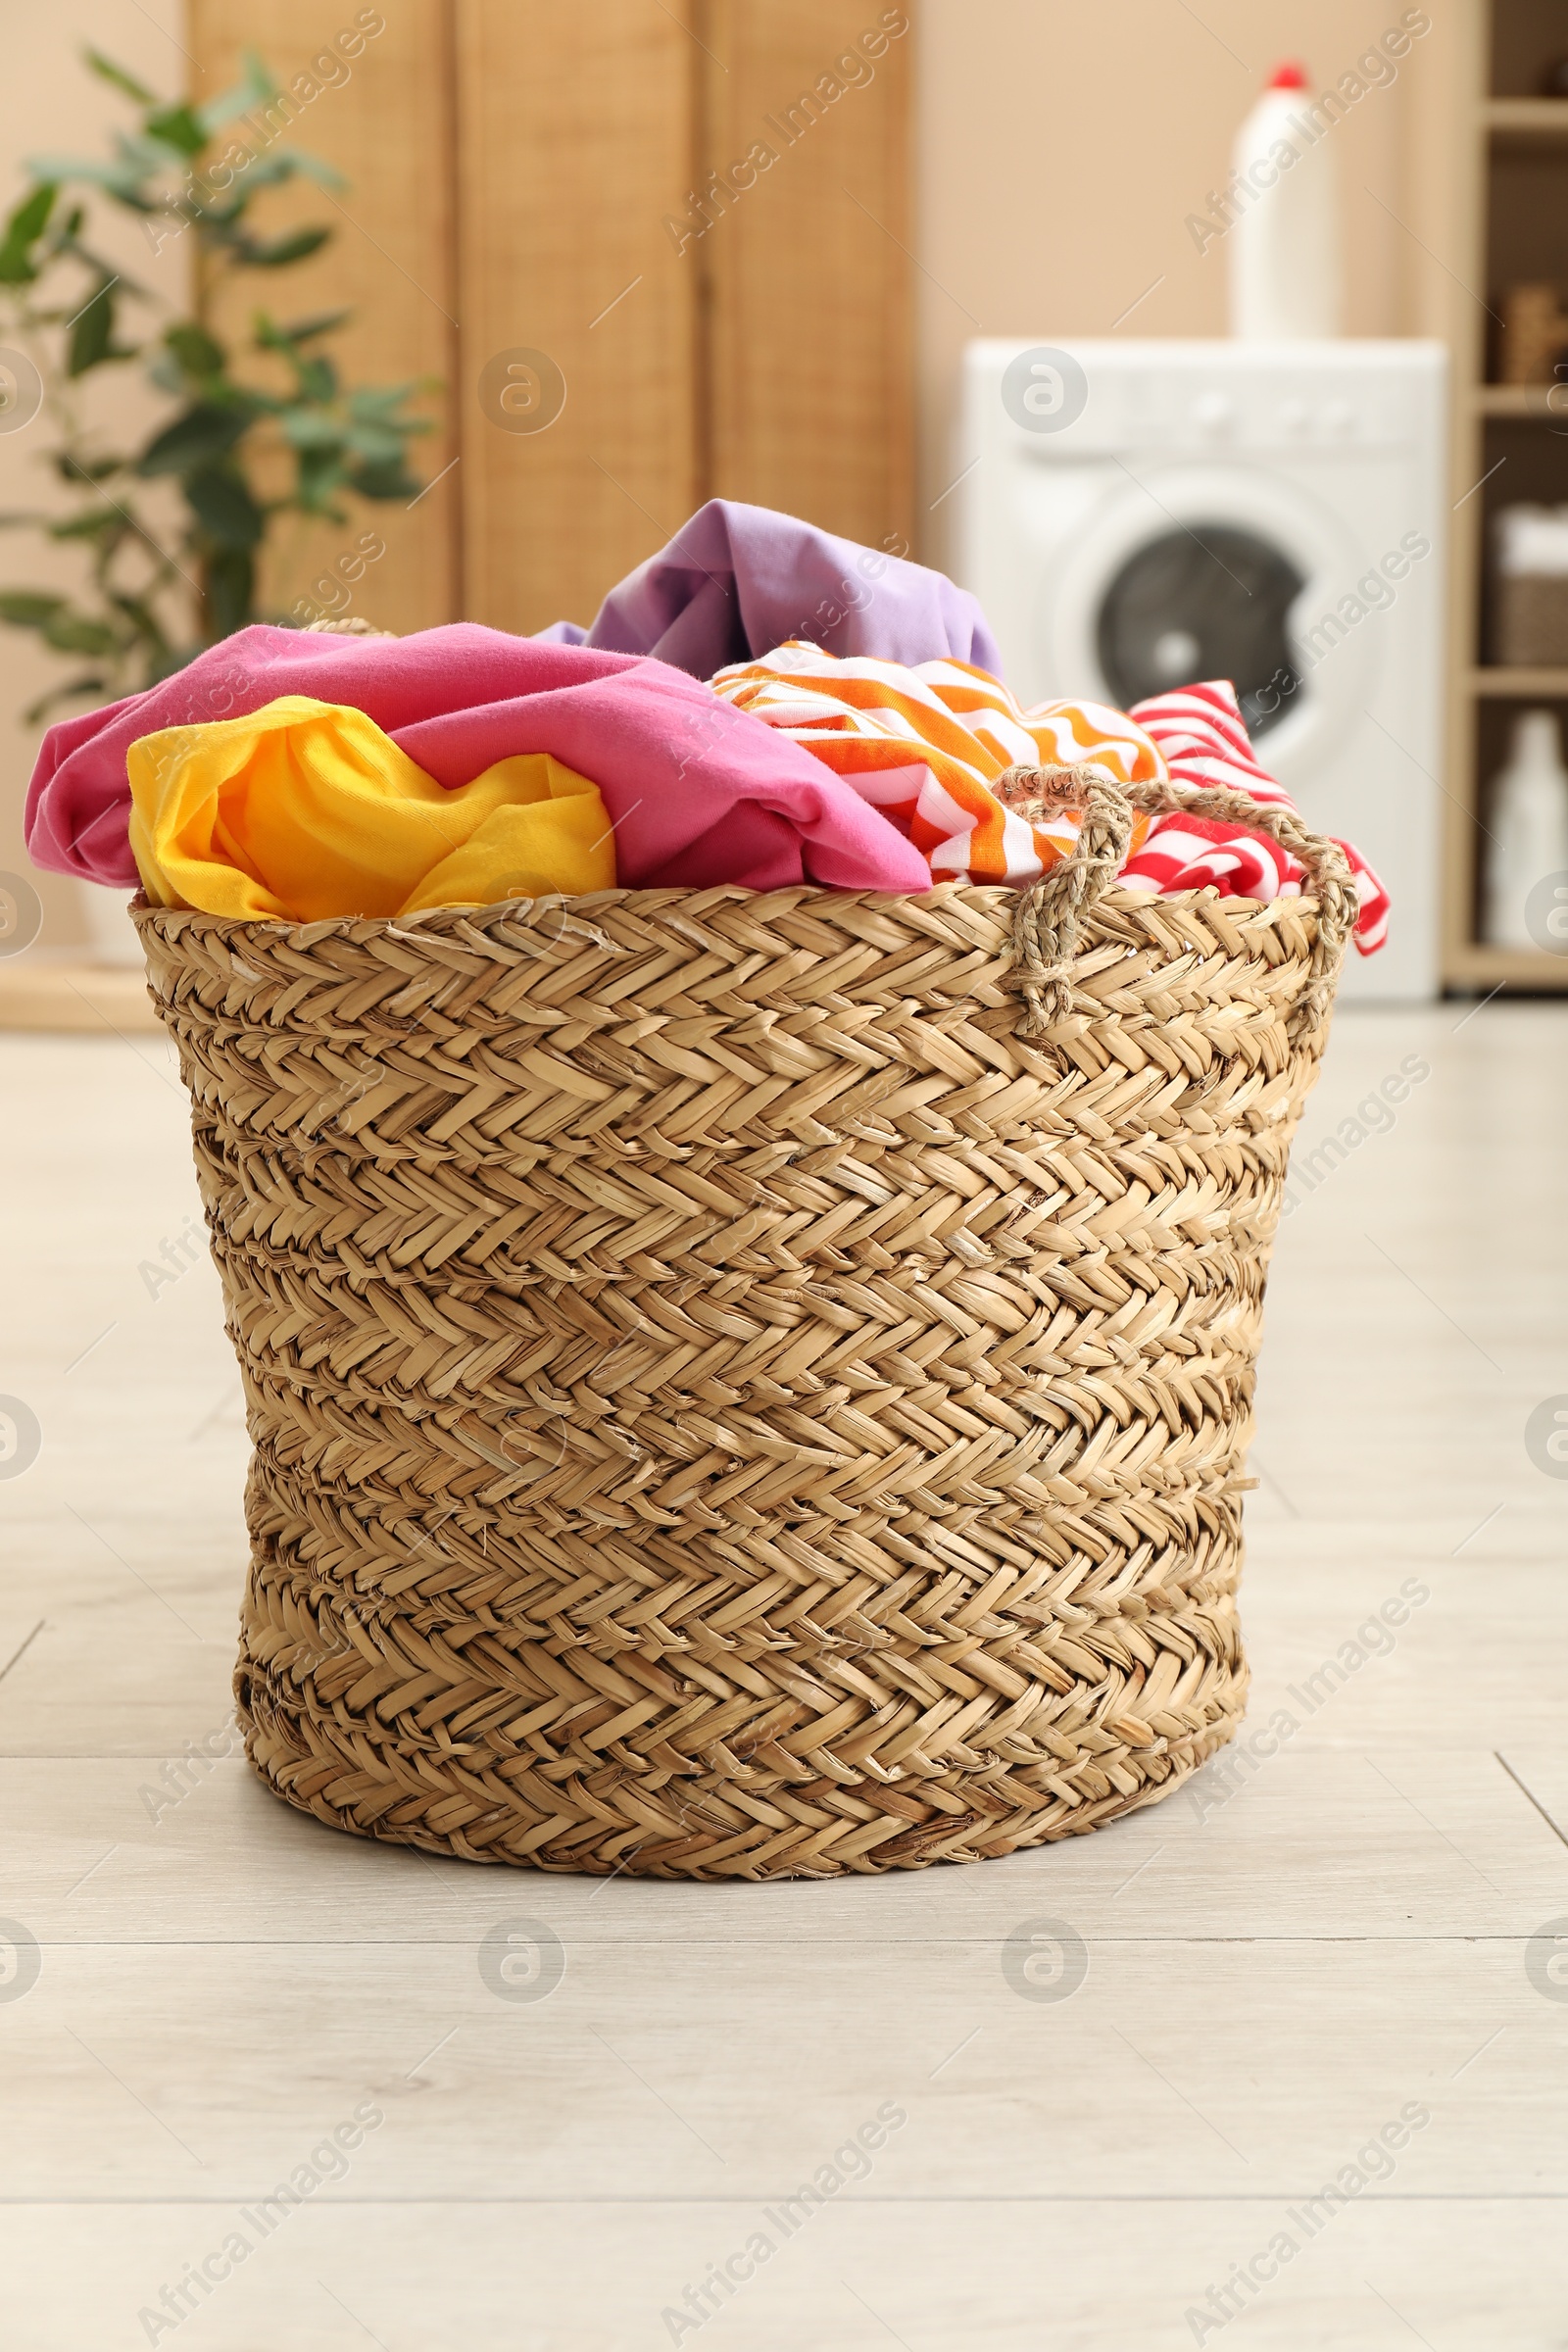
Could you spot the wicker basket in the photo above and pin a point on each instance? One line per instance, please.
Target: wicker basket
(735, 1394)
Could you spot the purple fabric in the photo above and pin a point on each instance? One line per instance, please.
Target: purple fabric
(739, 581)
(699, 792)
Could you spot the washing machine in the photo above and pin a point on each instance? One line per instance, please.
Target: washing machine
(1138, 515)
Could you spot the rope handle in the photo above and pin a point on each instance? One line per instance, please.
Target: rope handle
(1051, 914)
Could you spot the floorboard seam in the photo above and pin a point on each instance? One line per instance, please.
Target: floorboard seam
(23, 1651)
(1530, 1796)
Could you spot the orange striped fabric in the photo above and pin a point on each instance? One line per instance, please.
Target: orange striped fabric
(925, 745)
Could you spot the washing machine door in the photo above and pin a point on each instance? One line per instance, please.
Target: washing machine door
(1183, 572)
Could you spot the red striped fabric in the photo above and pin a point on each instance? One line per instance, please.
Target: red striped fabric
(1203, 736)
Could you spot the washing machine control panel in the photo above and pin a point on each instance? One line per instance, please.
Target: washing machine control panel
(1214, 415)
(1253, 416)
(1274, 409)
(1325, 421)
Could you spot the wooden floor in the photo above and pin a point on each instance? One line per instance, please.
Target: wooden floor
(1282, 1960)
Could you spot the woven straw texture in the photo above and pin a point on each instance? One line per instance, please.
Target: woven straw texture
(726, 1404)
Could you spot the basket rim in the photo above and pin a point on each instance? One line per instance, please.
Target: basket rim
(436, 922)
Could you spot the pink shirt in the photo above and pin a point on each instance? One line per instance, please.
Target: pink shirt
(699, 793)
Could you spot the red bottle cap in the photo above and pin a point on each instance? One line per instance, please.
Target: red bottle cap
(1289, 77)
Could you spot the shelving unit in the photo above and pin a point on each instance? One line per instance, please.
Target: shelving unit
(1509, 685)
(1527, 117)
(1550, 401)
(1497, 188)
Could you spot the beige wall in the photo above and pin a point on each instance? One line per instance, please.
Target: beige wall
(49, 103)
(1062, 147)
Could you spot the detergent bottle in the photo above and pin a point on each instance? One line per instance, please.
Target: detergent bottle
(1284, 203)
(1528, 839)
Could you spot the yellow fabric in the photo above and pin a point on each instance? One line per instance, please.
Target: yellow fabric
(305, 809)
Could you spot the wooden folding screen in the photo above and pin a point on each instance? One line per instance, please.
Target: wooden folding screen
(641, 252)
(382, 117)
(811, 269)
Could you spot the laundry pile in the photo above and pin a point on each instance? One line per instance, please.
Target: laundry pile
(760, 704)
(925, 745)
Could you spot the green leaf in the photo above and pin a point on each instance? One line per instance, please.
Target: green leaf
(390, 478)
(176, 127)
(74, 469)
(24, 226)
(310, 428)
(289, 163)
(142, 159)
(272, 337)
(120, 179)
(231, 589)
(255, 253)
(24, 609)
(257, 87)
(223, 504)
(316, 379)
(377, 444)
(92, 332)
(116, 76)
(143, 620)
(319, 475)
(99, 522)
(378, 403)
(79, 634)
(202, 433)
(198, 351)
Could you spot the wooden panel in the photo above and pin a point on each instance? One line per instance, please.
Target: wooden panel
(994, 2273)
(807, 269)
(576, 145)
(382, 118)
(767, 358)
(764, 2054)
(1311, 1842)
